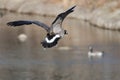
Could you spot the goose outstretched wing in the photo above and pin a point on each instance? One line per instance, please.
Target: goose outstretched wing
(26, 22)
(59, 19)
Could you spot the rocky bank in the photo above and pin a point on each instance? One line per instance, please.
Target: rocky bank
(103, 13)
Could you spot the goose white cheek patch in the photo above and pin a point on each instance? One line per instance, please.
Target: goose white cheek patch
(53, 39)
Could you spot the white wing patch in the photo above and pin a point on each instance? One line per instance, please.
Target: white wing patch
(53, 39)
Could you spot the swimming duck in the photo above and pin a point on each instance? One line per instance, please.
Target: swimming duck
(54, 33)
(92, 53)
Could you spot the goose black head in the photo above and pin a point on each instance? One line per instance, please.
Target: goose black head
(50, 40)
(65, 32)
(91, 48)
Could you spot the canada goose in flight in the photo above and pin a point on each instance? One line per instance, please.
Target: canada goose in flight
(54, 33)
(92, 53)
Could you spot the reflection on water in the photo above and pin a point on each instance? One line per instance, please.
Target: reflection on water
(67, 61)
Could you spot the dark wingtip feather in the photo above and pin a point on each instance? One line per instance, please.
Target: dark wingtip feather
(64, 14)
(19, 23)
(71, 9)
(9, 23)
(12, 24)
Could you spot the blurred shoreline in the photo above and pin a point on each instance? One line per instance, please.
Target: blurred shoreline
(103, 14)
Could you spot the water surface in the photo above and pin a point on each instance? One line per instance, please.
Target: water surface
(67, 61)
